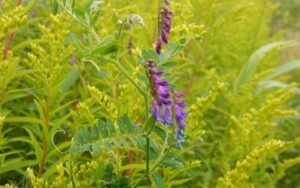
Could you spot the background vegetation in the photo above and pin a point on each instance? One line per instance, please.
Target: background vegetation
(75, 105)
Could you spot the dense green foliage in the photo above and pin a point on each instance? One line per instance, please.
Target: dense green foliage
(75, 100)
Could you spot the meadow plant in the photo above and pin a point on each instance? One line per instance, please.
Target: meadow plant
(167, 93)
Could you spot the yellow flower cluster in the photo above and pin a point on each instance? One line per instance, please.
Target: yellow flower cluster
(8, 69)
(197, 110)
(48, 60)
(70, 175)
(280, 170)
(82, 114)
(12, 20)
(105, 101)
(238, 177)
(256, 125)
(192, 30)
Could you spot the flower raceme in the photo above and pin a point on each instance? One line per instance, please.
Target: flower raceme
(164, 100)
(165, 26)
(166, 103)
(160, 91)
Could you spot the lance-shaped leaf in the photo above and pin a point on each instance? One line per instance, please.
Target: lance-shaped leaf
(250, 67)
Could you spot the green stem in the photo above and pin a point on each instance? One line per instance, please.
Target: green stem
(122, 69)
(148, 155)
(71, 174)
(162, 153)
(121, 29)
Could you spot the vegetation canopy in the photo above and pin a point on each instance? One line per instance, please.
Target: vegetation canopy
(161, 93)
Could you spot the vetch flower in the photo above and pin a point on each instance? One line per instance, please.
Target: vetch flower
(180, 115)
(160, 90)
(179, 137)
(167, 103)
(96, 6)
(134, 19)
(166, 21)
(165, 26)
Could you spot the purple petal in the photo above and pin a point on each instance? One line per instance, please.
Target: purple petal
(181, 104)
(179, 134)
(179, 113)
(159, 81)
(155, 110)
(179, 95)
(164, 101)
(181, 124)
(158, 46)
(156, 72)
(163, 92)
(164, 36)
(151, 63)
(166, 117)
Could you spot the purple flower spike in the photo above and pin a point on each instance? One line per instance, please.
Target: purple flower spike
(160, 91)
(180, 115)
(165, 26)
(164, 102)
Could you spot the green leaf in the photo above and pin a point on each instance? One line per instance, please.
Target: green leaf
(94, 133)
(84, 148)
(159, 132)
(122, 126)
(174, 156)
(173, 50)
(19, 119)
(168, 53)
(111, 128)
(83, 136)
(102, 129)
(168, 65)
(150, 125)
(148, 54)
(172, 163)
(16, 164)
(70, 80)
(283, 69)
(157, 179)
(74, 149)
(104, 49)
(276, 84)
(249, 69)
(179, 182)
(107, 145)
(15, 95)
(96, 148)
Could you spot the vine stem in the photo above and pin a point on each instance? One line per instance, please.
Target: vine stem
(148, 155)
(71, 173)
(123, 70)
(162, 153)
